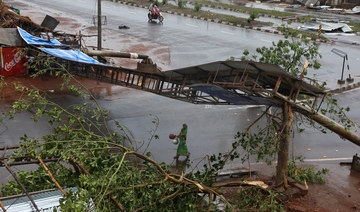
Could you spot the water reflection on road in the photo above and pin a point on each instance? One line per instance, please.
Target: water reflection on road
(211, 128)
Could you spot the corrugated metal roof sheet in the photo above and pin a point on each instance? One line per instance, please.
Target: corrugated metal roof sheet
(45, 201)
(231, 97)
(327, 26)
(228, 70)
(225, 66)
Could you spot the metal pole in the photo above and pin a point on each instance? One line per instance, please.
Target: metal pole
(342, 72)
(99, 26)
(21, 185)
(80, 39)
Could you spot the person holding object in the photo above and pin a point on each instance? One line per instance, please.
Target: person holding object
(182, 149)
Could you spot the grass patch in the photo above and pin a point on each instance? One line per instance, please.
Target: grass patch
(312, 35)
(246, 9)
(355, 26)
(237, 8)
(215, 16)
(305, 18)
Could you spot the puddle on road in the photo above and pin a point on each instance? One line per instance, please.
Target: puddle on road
(109, 92)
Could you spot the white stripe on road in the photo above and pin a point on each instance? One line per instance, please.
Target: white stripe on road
(269, 41)
(131, 12)
(250, 106)
(230, 33)
(191, 25)
(326, 159)
(245, 106)
(311, 160)
(236, 108)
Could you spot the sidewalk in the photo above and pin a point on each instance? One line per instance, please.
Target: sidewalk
(334, 87)
(340, 192)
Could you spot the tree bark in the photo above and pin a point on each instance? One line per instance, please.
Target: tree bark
(283, 153)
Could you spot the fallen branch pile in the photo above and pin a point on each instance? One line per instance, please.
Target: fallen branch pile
(10, 19)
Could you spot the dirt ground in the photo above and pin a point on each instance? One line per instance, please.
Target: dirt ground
(341, 192)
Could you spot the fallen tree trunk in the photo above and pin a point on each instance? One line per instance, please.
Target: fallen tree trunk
(335, 127)
(323, 120)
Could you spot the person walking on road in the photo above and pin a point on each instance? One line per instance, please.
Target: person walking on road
(182, 149)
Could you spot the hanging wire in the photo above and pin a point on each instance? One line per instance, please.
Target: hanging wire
(94, 11)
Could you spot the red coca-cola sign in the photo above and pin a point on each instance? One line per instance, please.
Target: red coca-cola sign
(13, 61)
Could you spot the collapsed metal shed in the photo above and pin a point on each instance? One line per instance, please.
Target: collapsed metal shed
(47, 200)
(234, 82)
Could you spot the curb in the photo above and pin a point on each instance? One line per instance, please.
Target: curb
(220, 21)
(235, 10)
(343, 89)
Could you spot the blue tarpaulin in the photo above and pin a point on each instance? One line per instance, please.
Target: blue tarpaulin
(72, 55)
(230, 96)
(32, 40)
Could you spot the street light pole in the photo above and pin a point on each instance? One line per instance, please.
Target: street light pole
(345, 58)
(99, 26)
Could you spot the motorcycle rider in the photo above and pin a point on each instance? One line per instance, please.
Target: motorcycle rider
(154, 11)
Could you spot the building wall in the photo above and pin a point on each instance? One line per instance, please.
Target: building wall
(346, 4)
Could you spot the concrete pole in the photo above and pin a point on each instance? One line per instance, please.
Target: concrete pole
(115, 54)
(99, 26)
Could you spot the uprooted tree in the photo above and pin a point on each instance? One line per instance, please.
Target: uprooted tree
(294, 55)
(110, 173)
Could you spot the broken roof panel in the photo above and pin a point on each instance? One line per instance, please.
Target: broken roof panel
(72, 55)
(327, 26)
(231, 97)
(32, 40)
(10, 37)
(230, 72)
(311, 3)
(224, 66)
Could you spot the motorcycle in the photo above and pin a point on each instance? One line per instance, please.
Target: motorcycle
(156, 14)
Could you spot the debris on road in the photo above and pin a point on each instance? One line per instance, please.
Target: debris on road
(123, 27)
(9, 19)
(355, 165)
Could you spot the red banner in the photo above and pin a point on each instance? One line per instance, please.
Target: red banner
(13, 61)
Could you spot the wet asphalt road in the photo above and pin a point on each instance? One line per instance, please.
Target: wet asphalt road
(191, 42)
